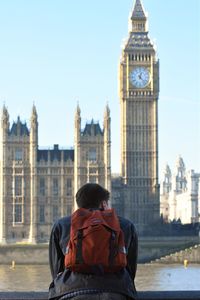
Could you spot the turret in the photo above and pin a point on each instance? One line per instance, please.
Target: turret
(33, 170)
(107, 147)
(107, 127)
(179, 176)
(34, 126)
(77, 123)
(5, 122)
(167, 180)
(107, 121)
(77, 157)
(3, 162)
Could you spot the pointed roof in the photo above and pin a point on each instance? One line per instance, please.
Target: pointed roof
(19, 128)
(34, 116)
(5, 114)
(5, 111)
(138, 11)
(92, 128)
(34, 110)
(78, 110)
(107, 111)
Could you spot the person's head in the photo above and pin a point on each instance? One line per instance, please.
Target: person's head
(92, 195)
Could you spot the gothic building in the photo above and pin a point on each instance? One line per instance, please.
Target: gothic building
(180, 194)
(92, 161)
(139, 92)
(37, 186)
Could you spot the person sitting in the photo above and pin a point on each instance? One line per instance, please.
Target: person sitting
(93, 252)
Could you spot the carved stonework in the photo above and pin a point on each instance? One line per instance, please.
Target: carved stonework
(139, 90)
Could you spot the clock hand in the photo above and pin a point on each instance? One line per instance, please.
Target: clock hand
(143, 77)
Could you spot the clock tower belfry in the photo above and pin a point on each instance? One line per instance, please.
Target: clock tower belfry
(139, 92)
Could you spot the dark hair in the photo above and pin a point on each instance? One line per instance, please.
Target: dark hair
(91, 195)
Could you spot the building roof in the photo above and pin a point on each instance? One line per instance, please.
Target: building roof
(92, 129)
(138, 11)
(68, 155)
(140, 40)
(55, 154)
(19, 128)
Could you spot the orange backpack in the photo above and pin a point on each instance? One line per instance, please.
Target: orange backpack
(96, 244)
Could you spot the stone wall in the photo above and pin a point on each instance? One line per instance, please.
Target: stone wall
(24, 254)
(149, 249)
(192, 255)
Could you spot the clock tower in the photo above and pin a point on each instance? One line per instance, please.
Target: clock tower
(139, 92)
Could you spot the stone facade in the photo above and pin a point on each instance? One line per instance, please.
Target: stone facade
(180, 194)
(139, 92)
(92, 158)
(38, 186)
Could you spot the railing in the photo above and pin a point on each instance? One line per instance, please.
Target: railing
(173, 295)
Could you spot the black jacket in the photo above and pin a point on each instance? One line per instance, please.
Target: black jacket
(65, 281)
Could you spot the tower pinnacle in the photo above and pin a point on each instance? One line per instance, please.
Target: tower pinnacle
(5, 117)
(34, 116)
(138, 11)
(34, 110)
(5, 114)
(78, 110)
(107, 111)
(139, 18)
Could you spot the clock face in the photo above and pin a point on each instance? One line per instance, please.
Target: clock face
(140, 77)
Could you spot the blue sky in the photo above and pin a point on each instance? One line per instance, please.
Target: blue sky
(58, 52)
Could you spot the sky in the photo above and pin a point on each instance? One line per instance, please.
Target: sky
(57, 53)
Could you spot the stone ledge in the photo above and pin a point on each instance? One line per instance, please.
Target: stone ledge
(171, 295)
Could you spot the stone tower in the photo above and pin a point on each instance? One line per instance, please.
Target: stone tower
(165, 190)
(139, 91)
(33, 174)
(166, 184)
(92, 162)
(3, 143)
(179, 180)
(15, 180)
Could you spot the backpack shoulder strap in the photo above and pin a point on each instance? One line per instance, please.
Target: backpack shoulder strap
(79, 254)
